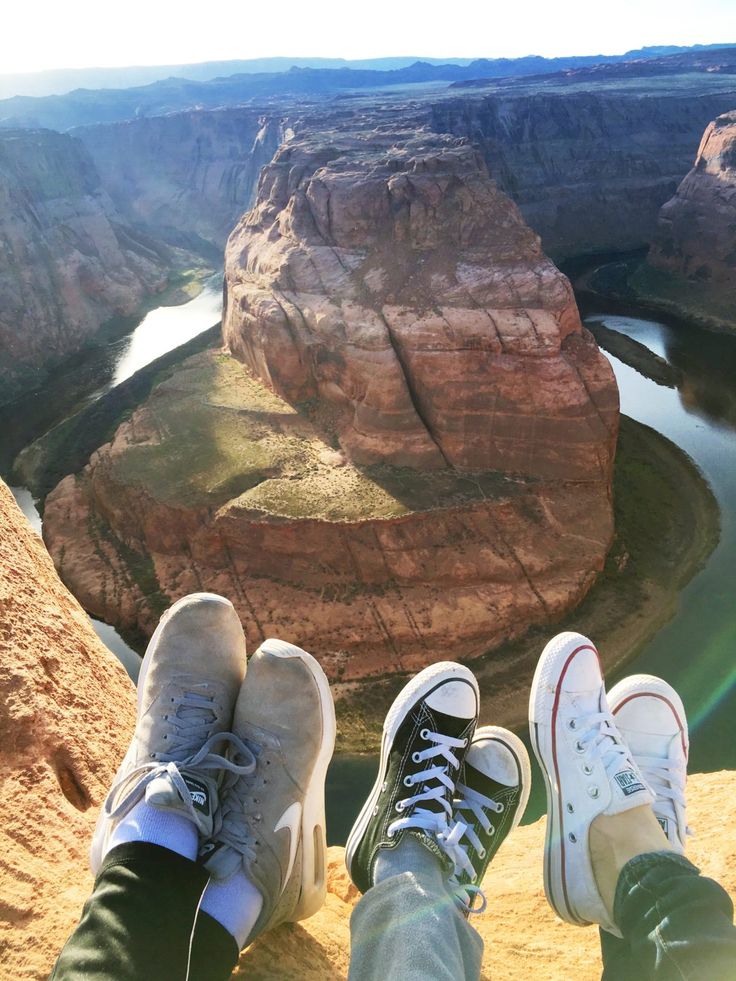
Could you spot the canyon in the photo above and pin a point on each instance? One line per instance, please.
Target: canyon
(405, 452)
(691, 266)
(69, 262)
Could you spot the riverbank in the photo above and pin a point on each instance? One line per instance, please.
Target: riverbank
(667, 524)
(631, 280)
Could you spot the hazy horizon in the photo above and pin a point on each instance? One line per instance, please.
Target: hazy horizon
(47, 36)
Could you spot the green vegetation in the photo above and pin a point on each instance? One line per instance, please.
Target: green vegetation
(685, 298)
(212, 435)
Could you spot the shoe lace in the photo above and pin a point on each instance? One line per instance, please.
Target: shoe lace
(236, 811)
(436, 786)
(666, 781)
(598, 739)
(451, 842)
(190, 746)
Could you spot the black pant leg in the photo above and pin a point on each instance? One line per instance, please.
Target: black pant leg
(616, 957)
(138, 924)
(677, 923)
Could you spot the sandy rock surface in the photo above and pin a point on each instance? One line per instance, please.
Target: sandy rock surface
(66, 714)
(524, 941)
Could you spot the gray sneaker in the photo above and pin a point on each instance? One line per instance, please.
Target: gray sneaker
(273, 819)
(189, 679)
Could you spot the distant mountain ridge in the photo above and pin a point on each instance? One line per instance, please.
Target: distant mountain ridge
(64, 80)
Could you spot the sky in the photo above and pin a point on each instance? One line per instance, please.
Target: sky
(43, 34)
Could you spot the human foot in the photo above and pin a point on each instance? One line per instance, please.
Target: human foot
(425, 737)
(272, 829)
(188, 683)
(589, 771)
(650, 716)
(489, 803)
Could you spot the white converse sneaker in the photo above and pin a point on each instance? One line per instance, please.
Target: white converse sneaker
(588, 770)
(651, 718)
(188, 683)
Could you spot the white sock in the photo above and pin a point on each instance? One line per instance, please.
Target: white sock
(166, 828)
(235, 903)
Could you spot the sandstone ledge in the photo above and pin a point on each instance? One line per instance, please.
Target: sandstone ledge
(523, 938)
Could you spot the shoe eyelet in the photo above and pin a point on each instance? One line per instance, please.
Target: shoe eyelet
(587, 769)
(384, 787)
(482, 853)
(375, 811)
(416, 757)
(572, 724)
(579, 748)
(594, 792)
(399, 805)
(465, 742)
(424, 734)
(390, 833)
(408, 781)
(491, 830)
(573, 837)
(499, 808)
(570, 809)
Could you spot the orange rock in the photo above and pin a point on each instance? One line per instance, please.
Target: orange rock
(386, 276)
(66, 716)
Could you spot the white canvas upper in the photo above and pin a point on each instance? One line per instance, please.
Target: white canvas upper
(650, 716)
(588, 771)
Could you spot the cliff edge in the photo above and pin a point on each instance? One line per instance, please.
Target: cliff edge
(66, 715)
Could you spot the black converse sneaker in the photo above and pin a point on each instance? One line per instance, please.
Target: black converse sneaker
(425, 737)
(489, 803)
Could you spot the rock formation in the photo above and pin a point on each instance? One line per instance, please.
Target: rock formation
(696, 234)
(396, 287)
(66, 714)
(68, 263)
(589, 168)
(415, 462)
(186, 177)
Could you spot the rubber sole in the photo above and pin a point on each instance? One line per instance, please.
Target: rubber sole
(419, 687)
(313, 889)
(550, 667)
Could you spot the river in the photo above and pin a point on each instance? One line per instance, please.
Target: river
(695, 651)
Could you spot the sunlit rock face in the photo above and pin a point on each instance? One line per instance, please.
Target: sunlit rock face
(696, 235)
(394, 286)
(67, 262)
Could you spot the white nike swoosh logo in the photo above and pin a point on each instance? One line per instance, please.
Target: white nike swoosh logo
(291, 819)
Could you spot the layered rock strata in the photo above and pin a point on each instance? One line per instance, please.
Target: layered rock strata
(590, 168)
(696, 234)
(66, 714)
(68, 262)
(185, 177)
(414, 460)
(397, 289)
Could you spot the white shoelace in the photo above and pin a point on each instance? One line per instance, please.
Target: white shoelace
(464, 830)
(666, 781)
(435, 783)
(597, 739)
(189, 747)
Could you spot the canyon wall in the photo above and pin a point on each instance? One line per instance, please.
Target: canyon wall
(409, 456)
(186, 177)
(589, 170)
(695, 239)
(69, 263)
